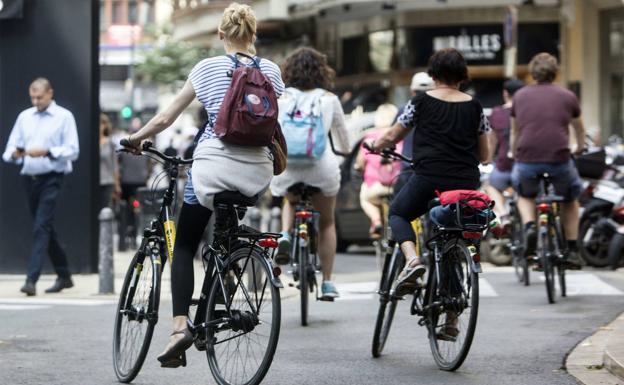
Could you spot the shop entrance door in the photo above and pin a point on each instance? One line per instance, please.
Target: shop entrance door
(612, 38)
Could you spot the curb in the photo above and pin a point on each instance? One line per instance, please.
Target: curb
(593, 362)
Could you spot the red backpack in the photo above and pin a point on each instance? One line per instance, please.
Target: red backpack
(248, 114)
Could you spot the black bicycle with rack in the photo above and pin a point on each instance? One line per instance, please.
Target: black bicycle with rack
(447, 302)
(551, 243)
(236, 320)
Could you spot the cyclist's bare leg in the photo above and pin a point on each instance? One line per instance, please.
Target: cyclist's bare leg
(499, 199)
(570, 217)
(179, 323)
(526, 207)
(371, 210)
(288, 212)
(327, 234)
(409, 251)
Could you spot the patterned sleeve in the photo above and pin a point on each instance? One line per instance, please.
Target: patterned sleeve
(484, 125)
(407, 118)
(274, 74)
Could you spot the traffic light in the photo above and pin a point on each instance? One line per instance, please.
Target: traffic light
(126, 112)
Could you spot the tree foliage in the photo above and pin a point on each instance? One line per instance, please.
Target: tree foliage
(170, 63)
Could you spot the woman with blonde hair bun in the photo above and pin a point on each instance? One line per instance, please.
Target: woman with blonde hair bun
(213, 159)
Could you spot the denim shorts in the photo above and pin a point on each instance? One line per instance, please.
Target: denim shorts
(563, 176)
(500, 180)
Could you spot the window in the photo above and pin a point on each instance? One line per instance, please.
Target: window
(118, 13)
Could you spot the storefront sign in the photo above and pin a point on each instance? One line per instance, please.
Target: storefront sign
(480, 44)
(473, 47)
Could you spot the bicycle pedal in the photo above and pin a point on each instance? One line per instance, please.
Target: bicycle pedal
(326, 299)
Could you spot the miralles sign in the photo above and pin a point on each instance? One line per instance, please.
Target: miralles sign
(473, 47)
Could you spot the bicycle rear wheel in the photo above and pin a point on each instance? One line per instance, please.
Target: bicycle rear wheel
(136, 316)
(242, 336)
(387, 304)
(458, 290)
(304, 283)
(545, 256)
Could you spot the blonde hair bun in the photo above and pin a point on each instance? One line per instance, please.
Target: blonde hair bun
(238, 23)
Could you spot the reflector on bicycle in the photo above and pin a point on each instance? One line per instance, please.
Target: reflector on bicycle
(543, 207)
(268, 242)
(303, 214)
(471, 234)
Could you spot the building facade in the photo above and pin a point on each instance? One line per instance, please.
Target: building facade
(376, 46)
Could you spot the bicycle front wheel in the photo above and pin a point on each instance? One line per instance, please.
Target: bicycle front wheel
(545, 256)
(387, 303)
(243, 324)
(453, 307)
(304, 283)
(136, 315)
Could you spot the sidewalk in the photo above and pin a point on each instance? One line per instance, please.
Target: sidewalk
(86, 286)
(599, 359)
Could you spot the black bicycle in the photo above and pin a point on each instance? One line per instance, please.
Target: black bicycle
(551, 243)
(237, 319)
(516, 241)
(305, 260)
(448, 301)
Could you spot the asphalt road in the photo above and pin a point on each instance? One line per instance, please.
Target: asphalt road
(520, 339)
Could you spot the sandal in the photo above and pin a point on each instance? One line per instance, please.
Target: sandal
(448, 333)
(407, 282)
(176, 355)
(375, 231)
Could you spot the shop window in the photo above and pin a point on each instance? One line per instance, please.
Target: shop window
(381, 50)
(355, 58)
(534, 38)
(616, 38)
(118, 13)
(133, 12)
(113, 72)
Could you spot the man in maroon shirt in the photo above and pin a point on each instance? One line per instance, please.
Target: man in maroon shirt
(541, 116)
(500, 121)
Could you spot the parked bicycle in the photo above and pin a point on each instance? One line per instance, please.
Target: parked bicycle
(551, 244)
(237, 320)
(447, 301)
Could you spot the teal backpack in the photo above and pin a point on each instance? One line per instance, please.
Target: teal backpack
(302, 125)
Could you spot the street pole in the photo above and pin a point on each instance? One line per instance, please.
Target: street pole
(105, 266)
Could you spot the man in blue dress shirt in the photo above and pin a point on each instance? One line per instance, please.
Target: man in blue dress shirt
(44, 141)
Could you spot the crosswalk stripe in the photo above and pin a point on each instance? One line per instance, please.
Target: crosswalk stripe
(368, 290)
(486, 289)
(585, 284)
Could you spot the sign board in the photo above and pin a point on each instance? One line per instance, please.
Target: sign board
(11, 9)
(124, 35)
(480, 44)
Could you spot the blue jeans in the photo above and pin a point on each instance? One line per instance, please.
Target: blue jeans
(563, 176)
(43, 192)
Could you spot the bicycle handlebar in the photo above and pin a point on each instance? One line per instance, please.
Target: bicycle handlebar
(388, 154)
(331, 142)
(147, 146)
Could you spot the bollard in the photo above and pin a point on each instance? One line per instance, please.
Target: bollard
(105, 266)
(275, 224)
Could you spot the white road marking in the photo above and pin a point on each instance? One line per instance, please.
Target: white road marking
(22, 307)
(368, 290)
(485, 289)
(56, 301)
(356, 291)
(585, 284)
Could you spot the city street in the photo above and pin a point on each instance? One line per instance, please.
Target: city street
(520, 339)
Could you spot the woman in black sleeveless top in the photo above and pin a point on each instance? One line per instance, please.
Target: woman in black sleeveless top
(449, 143)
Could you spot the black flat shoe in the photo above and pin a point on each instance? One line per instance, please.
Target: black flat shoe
(60, 284)
(176, 355)
(29, 288)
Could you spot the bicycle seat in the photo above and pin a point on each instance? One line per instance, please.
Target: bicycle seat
(299, 188)
(550, 199)
(235, 198)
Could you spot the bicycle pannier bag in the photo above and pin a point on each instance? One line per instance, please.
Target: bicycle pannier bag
(248, 114)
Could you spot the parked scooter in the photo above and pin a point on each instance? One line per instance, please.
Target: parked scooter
(602, 212)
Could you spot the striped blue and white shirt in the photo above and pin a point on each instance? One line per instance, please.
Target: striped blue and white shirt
(53, 129)
(210, 81)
